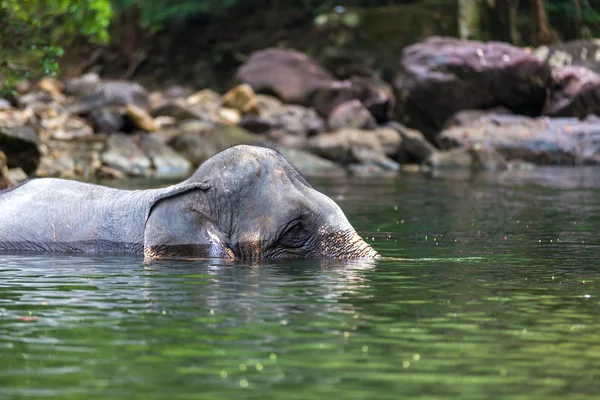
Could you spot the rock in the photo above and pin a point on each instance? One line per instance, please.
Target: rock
(351, 146)
(290, 75)
(255, 123)
(197, 141)
(229, 116)
(243, 99)
(466, 117)
(166, 162)
(22, 147)
(74, 159)
(442, 76)
(106, 172)
(112, 93)
(584, 53)
(123, 153)
(69, 128)
(81, 86)
(311, 165)
(56, 164)
(575, 92)
(140, 119)
(538, 140)
(415, 148)
(205, 104)
(5, 104)
(479, 158)
(374, 94)
(351, 114)
(107, 119)
(176, 109)
(390, 140)
(17, 175)
(294, 119)
(52, 87)
(5, 181)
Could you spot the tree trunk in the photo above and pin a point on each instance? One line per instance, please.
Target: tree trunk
(544, 31)
(468, 19)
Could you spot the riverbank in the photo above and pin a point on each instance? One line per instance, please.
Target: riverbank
(453, 104)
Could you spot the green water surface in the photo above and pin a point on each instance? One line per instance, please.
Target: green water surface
(489, 289)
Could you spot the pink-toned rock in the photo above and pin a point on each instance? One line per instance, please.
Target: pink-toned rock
(351, 114)
(290, 75)
(542, 140)
(442, 76)
(374, 94)
(575, 92)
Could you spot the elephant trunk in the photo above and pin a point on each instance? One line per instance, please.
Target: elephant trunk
(345, 245)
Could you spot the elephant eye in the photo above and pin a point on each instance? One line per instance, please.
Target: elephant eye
(295, 235)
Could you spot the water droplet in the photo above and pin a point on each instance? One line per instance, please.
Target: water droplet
(244, 383)
(259, 367)
(405, 364)
(416, 356)
(223, 374)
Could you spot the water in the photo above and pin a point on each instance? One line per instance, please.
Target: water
(489, 290)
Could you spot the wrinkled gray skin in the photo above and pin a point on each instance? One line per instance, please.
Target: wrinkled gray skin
(246, 202)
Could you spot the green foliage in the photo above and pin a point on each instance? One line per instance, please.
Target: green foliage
(32, 33)
(153, 14)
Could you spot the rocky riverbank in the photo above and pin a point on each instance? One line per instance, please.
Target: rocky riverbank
(453, 104)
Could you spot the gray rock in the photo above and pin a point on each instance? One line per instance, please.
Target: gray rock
(538, 140)
(351, 146)
(176, 109)
(166, 162)
(415, 148)
(123, 153)
(311, 165)
(583, 53)
(197, 141)
(112, 93)
(107, 119)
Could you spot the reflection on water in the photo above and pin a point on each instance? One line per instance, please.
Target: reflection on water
(486, 290)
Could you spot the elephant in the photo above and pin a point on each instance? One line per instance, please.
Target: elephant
(246, 202)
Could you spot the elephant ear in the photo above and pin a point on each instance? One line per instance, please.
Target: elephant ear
(178, 225)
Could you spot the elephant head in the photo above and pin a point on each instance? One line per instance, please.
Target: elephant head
(249, 202)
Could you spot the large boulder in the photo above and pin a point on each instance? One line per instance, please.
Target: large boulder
(540, 140)
(442, 76)
(290, 75)
(575, 92)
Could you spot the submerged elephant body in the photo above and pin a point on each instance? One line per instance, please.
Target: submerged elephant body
(245, 202)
